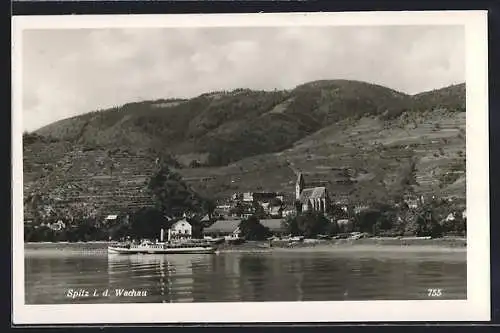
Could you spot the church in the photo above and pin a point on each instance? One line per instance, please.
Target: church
(310, 199)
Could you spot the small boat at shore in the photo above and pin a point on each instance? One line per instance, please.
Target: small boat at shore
(147, 247)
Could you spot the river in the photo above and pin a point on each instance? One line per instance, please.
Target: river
(54, 277)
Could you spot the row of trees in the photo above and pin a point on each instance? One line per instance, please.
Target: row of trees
(428, 220)
(143, 223)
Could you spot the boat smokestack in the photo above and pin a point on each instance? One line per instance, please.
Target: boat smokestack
(161, 235)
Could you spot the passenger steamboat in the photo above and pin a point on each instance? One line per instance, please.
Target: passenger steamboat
(169, 247)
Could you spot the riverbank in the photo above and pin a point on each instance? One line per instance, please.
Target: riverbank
(364, 244)
(447, 244)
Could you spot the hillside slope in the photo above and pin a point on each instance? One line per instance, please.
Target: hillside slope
(223, 127)
(363, 141)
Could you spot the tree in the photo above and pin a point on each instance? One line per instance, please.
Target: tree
(258, 210)
(209, 206)
(275, 202)
(308, 224)
(337, 212)
(298, 206)
(366, 220)
(87, 230)
(251, 229)
(120, 230)
(147, 223)
(332, 228)
(173, 196)
(290, 224)
(386, 220)
(425, 220)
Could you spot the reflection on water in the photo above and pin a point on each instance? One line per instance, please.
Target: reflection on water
(240, 277)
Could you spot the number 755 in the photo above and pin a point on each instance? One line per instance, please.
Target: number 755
(432, 292)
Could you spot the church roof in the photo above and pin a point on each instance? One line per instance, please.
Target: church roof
(312, 193)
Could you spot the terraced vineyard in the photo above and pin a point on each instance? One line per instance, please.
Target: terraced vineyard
(100, 181)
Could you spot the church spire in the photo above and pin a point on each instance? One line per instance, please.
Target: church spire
(299, 185)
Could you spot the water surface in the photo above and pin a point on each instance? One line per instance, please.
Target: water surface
(59, 277)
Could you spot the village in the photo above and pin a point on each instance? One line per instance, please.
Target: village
(308, 213)
(274, 212)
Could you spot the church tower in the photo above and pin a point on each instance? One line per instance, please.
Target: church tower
(299, 185)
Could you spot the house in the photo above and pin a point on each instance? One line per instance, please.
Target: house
(248, 197)
(262, 197)
(222, 210)
(276, 226)
(412, 204)
(59, 225)
(110, 219)
(360, 208)
(450, 217)
(223, 228)
(413, 201)
(181, 229)
(242, 210)
(236, 197)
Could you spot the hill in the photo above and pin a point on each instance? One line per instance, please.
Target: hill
(222, 127)
(449, 98)
(363, 141)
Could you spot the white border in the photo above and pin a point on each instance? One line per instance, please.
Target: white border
(475, 308)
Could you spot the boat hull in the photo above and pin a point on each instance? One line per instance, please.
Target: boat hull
(180, 250)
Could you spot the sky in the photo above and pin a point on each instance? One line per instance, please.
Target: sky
(73, 71)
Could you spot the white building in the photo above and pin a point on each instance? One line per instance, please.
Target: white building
(248, 197)
(181, 229)
(450, 217)
(110, 219)
(59, 225)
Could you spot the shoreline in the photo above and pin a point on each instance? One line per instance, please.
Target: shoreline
(357, 245)
(406, 245)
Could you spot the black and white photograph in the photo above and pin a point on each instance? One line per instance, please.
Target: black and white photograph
(251, 167)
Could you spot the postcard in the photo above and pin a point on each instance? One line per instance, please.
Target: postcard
(250, 168)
